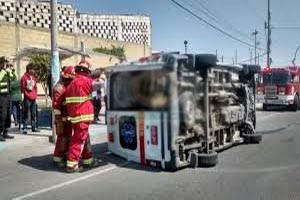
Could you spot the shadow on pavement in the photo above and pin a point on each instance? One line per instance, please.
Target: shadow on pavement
(45, 162)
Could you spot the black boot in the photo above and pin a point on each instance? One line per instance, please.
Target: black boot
(2, 139)
(6, 136)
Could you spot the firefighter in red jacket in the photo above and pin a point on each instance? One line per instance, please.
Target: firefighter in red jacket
(81, 113)
(63, 127)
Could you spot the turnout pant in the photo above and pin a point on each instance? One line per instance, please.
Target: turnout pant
(80, 145)
(64, 135)
(5, 105)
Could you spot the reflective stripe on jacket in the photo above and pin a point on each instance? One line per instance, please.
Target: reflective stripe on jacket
(78, 99)
(4, 81)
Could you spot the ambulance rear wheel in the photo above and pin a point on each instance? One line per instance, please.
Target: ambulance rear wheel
(204, 159)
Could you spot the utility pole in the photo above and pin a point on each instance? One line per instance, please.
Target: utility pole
(54, 55)
(255, 45)
(185, 46)
(217, 53)
(269, 36)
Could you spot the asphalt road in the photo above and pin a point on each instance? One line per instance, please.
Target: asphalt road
(270, 170)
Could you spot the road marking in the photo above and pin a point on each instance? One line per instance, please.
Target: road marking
(69, 182)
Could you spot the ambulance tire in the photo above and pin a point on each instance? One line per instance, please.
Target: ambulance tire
(187, 109)
(252, 138)
(204, 61)
(207, 159)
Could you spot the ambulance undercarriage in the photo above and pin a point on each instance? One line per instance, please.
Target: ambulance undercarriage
(180, 110)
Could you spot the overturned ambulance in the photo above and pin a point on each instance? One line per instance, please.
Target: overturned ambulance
(180, 110)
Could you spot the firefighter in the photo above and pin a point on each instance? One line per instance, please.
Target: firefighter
(5, 76)
(63, 127)
(81, 113)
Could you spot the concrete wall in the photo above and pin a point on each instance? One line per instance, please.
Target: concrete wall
(14, 38)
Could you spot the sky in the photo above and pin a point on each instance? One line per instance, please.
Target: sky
(172, 25)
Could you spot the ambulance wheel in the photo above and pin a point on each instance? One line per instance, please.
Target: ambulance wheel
(248, 133)
(252, 139)
(204, 159)
(187, 109)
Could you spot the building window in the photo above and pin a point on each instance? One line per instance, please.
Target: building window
(2, 4)
(1, 12)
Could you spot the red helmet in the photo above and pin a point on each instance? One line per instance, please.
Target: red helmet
(85, 64)
(68, 72)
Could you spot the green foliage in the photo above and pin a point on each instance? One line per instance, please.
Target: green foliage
(42, 64)
(119, 52)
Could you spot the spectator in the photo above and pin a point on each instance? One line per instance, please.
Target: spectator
(5, 76)
(28, 86)
(16, 95)
(96, 94)
(104, 86)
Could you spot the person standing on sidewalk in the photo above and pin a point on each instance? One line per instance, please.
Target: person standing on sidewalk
(80, 111)
(63, 126)
(16, 96)
(96, 94)
(28, 85)
(5, 76)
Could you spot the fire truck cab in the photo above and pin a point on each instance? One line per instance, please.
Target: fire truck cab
(179, 110)
(279, 87)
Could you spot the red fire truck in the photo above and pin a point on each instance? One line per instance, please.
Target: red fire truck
(279, 87)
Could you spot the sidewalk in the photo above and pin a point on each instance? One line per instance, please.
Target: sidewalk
(97, 134)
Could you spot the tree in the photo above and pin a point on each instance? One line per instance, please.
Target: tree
(42, 63)
(119, 52)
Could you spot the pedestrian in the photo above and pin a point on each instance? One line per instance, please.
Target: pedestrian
(80, 111)
(104, 86)
(28, 85)
(16, 96)
(5, 105)
(96, 94)
(63, 127)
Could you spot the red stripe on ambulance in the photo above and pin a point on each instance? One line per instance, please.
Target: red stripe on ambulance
(141, 137)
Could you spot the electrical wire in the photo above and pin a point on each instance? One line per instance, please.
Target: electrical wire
(211, 25)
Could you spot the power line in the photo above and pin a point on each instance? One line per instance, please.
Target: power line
(286, 27)
(207, 14)
(256, 57)
(225, 23)
(211, 25)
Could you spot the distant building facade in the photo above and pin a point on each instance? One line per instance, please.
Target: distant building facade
(125, 28)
